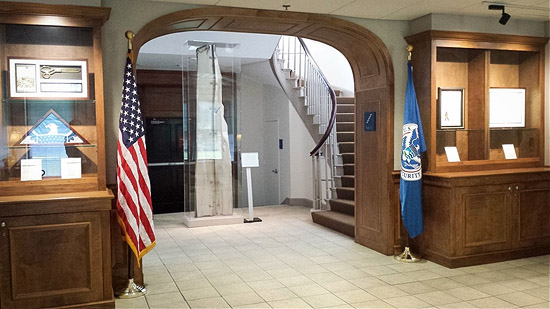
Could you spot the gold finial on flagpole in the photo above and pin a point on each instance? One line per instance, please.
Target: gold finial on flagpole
(409, 49)
(130, 36)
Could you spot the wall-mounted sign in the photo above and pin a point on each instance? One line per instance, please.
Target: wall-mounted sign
(370, 121)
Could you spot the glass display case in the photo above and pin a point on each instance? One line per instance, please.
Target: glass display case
(53, 196)
(483, 101)
(50, 109)
(212, 173)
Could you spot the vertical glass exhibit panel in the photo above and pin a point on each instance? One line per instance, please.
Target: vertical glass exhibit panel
(48, 119)
(210, 74)
(460, 100)
(515, 119)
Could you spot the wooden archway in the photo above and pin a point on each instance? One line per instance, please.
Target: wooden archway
(373, 74)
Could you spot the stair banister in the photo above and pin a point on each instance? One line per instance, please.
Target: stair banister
(332, 119)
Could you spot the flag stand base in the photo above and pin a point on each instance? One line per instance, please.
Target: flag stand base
(256, 219)
(407, 257)
(132, 290)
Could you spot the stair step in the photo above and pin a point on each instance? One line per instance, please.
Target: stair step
(346, 100)
(348, 181)
(345, 193)
(289, 73)
(342, 206)
(345, 108)
(336, 221)
(301, 91)
(349, 169)
(342, 126)
(346, 147)
(345, 117)
(348, 158)
(344, 136)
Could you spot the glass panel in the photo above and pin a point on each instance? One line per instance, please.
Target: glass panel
(501, 103)
(514, 104)
(210, 127)
(48, 103)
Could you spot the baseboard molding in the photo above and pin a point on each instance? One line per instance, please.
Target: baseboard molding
(298, 202)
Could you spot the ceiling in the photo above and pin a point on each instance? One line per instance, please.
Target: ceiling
(393, 9)
(173, 52)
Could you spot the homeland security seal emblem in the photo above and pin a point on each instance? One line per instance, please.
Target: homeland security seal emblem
(411, 167)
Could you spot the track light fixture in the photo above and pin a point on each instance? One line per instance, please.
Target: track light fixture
(505, 16)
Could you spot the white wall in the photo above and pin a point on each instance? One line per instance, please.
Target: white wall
(251, 109)
(333, 64)
(447, 22)
(301, 143)
(276, 107)
(262, 99)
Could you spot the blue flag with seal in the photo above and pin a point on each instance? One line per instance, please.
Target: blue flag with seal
(412, 145)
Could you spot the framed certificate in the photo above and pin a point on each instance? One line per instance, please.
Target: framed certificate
(506, 107)
(450, 108)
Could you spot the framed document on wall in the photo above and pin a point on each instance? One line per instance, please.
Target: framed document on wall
(450, 108)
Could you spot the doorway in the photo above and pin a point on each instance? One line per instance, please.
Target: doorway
(270, 167)
(376, 208)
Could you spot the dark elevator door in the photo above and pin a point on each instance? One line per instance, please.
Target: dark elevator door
(164, 137)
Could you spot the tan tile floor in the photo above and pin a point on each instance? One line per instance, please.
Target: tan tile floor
(286, 261)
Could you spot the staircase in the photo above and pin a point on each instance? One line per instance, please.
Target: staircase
(333, 156)
(341, 216)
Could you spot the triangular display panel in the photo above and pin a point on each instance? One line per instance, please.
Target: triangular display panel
(52, 130)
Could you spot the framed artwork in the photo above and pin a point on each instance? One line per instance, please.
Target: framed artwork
(450, 108)
(506, 107)
(37, 78)
(25, 78)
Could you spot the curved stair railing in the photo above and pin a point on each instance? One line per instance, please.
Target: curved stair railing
(319, 101)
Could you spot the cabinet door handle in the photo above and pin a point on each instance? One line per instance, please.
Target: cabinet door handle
(509, 188)
(517, 187)
(3, 224)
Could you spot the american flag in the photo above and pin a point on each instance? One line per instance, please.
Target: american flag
(134, 207)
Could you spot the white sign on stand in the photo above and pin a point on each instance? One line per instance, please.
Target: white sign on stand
(248, 160)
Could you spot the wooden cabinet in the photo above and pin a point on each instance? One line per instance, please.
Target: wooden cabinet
(481, 217)
(55, 254)
(482, 95)
(478, 92)
(55, 242)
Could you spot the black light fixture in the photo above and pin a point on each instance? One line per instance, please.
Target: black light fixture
(505, 16)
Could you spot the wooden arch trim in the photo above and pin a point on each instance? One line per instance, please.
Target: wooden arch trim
(373, 73)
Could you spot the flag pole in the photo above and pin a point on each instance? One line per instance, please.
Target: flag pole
(406, 256)
(131, 290)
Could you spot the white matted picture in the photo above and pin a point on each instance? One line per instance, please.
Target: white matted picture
(506, 107)
(451, 108)
(38, 78)
(25, 78)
